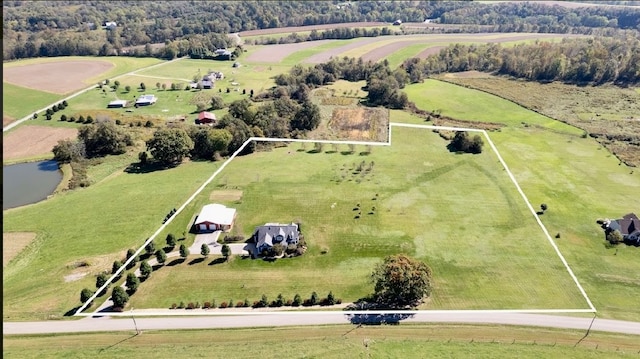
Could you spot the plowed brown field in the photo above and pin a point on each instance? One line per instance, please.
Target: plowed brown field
(58, 77)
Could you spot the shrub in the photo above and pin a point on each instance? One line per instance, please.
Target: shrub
(213, 304)
(173, 306)
(181, 306)
(246, 303)
(314, 298)
(148, 124)
(230, 305)
(289, 303)
(223, 305)
(240, 304)
(256, 304)
(197, 304)
(191, 305)
(71, 119)
(63, 118)
(118, 122)
(297, 300)
(206, 305)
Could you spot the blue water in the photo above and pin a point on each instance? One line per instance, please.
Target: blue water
(26, 183)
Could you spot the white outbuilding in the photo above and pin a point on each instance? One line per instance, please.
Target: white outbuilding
(215, 217)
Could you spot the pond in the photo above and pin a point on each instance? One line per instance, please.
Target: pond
(26, 183)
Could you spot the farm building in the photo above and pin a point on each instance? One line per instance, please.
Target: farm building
(110, 25)
(397, 22)
(146, 100)
(215, 217)
(273, 233)
(205, 117)
(117, 104)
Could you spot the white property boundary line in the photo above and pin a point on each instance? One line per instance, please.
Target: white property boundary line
(591, 309)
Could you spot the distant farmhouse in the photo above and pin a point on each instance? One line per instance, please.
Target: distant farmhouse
(215, 217)
(117, 104)
(271, 234)
(628, 226)
(146, 100)
(206, 118)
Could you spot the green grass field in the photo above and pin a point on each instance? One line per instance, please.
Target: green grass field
(421, 189)
(332, 341)
(578, 178)
(18, 102)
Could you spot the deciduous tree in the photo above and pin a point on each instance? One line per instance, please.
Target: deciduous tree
(119, 297)
(170, 145)
(401, 282)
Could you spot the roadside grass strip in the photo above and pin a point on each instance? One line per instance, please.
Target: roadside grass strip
(150, 312)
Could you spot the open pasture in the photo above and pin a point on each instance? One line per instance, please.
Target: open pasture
(577, 177)
(408, 340)
(459, 213)
(94, 225)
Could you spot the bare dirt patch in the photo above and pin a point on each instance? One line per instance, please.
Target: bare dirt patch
(360, 123)
(276, 53)
(92, 265)
(7, 120)
(225, 195)
(285, 30)
(13, 243)
(31, 141)
(57, 77)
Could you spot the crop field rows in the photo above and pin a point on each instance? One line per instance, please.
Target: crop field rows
(497, 257)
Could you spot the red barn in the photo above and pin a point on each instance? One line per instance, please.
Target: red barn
(206, 117)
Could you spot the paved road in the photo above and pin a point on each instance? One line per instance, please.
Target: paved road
(91, 324)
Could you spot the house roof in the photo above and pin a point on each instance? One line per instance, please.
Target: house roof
(146, 98)
(206, 115)
(216, 213)
(265, 234)
(629, 224)
(118, 102)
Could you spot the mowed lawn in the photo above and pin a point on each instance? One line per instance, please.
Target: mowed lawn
(18, 101)
(576, 177)
(458, 213)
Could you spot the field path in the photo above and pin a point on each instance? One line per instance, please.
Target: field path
(26, 118)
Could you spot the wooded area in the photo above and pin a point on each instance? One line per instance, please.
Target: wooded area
(66, 28)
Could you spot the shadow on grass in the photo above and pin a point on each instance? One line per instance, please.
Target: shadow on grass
(157, 266)
(148, 167)
(378, 319)
(216, 261)
(346, 153)
(196, 261)
(120, 342)
(176, 262)
(73, 311)
(314, 151)
(364, 153)
(330, 152)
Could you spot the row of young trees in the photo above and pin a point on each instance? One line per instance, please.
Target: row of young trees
(578, 60)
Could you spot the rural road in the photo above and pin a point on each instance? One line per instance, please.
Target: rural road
(271, 319)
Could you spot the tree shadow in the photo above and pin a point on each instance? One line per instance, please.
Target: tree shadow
(330, 152)
(138, 167)
(72, 312)
(217, 261)
(168, 249)
(346, 153)
(378, 319)
(155, 267)
(176, 262)
(196, 261)
(364, 153)
(314, 151)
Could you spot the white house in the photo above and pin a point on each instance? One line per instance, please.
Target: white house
(215, 217)
(275, 233)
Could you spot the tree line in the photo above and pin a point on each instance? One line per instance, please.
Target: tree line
(595, 60)
(65, 28)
